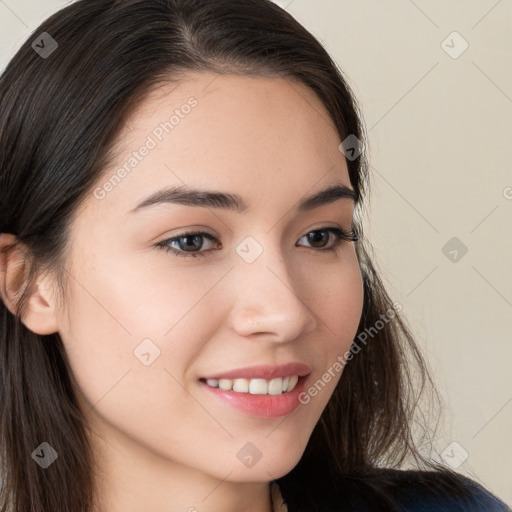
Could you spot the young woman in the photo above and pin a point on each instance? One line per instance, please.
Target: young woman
(187, 294)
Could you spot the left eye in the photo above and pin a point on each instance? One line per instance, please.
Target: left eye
(195, 239)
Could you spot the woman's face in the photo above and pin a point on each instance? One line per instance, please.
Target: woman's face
(143, 327)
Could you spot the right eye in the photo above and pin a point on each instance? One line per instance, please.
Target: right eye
(194, 237)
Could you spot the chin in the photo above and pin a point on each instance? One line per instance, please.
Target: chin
(267, 468)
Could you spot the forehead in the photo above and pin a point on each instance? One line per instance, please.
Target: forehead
(253, 135)
(230, 109)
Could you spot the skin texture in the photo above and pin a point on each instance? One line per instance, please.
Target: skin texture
(162, 443)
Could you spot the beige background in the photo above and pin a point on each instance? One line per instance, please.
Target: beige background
(440, 134)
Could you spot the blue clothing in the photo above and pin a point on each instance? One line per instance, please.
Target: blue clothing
(479, 500)
(392, 490)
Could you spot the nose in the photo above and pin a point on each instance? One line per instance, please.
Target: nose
(267, 299)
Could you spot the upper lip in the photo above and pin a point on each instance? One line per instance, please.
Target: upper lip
(264, 371)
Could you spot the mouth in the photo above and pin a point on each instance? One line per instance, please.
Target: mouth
(256, 397)
(276, 386)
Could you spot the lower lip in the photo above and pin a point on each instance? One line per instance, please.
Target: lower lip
(261, 406)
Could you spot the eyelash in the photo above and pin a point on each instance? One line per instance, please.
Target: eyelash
(340, 234)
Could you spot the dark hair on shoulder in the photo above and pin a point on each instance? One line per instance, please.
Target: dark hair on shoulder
(59, 117)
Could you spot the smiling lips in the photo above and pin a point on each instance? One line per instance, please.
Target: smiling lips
(260, 379)
(261, 390)
(275, 386)
(259, 404)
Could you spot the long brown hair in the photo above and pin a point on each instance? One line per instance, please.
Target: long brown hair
(59, 116)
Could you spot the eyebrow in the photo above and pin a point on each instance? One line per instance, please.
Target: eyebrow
(215, 199)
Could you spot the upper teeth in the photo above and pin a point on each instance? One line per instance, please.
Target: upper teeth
(256, 386)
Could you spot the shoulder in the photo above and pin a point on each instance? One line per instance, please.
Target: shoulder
(388, 490)
(430, 491)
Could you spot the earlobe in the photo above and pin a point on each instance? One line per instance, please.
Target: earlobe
(39, 314)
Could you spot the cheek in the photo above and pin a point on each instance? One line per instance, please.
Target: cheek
(338, 304)
(129, 350)
(338, 299)
(134, 325)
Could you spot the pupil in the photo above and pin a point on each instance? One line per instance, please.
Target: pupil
(189, 237)
(313, 236)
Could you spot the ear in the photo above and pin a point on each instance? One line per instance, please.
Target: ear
(40, 313)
